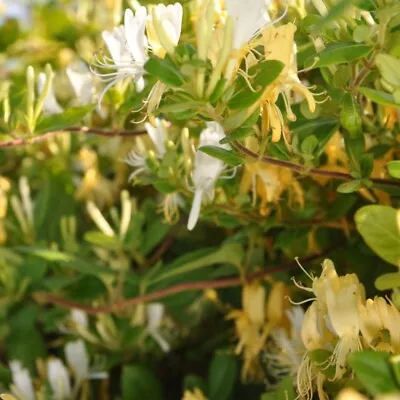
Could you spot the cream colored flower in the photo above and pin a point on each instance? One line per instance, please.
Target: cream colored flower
(195, 394)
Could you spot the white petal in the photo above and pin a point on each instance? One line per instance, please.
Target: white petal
(79, 317)
(81, 81)
(134, 26)
(58, 379)
(50, 103)
(156, 135)
(165, 346)
(22, 380)
(77, 359)
(155, 313)
(195, 210)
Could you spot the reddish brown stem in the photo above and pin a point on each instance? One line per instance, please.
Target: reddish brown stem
(182, 287)
(83, 129)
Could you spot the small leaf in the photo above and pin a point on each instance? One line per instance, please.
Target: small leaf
(139, 382)
(379, 97)
(350, 187)
(309, 144)
(227, 156)
(373, 371)
(102, 240)
(239, 133)
(338, 53)
(350, 115)
(67, 119)
(222, 376)
(284, 391)
(218, 91)
(165, 70)
(366, 165)
(394, 169)
(377, 225)
(389, 67)
(388, 281)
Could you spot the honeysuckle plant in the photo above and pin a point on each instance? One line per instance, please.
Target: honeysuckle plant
(199, 199)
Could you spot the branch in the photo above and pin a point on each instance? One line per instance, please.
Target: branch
(182, 287)
(83, 129)
(313, 171)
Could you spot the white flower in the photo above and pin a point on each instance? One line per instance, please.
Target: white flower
(171, 20)
(22, 382)
(79, 317)
(77, 359)
(81, 81)
(157, 136)
(207, 169)
(249, 17)
(127, 45)
(58, 378)
(137, 158)
(155, 313)
(50, 103)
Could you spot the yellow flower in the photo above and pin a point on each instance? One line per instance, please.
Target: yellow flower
(268, 182)
(279, 45)
(254, 323)
(377, 316)
(5, 186)
(196, 394)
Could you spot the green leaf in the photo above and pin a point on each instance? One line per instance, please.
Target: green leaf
(394, 169)
(70, 261)
(350, 115)
(377, 225)
(285, 391)
(139, 382)
(218, 91)
(350, 187)
(265, 73)
(388, 281)
(67, 119)
(102, 240)
(227, 156)
(335, 12)
(389, 67)
(237, 134)
(320, 358)
(309, 144)
(165, 70)
(338, 53)
(222, 376)
(379, 97)
(322, 129)
(366, 165)
(372, 369)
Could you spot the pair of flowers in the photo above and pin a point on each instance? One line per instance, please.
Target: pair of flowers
(206, 169)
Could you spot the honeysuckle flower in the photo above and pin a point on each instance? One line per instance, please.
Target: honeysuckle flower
(255, 321)
(127, 45)
(22, 385)
(81, 81)
(79, 317)
(137, 157)
(5, 187)
(269, 182)
(279, 45)
(164, 28)
(58, 378)
(288, 350)
(50, 103)
(206, 170)
(170, 205)
(377, 316)
(155, 313)
(249, 18)
(77, 359)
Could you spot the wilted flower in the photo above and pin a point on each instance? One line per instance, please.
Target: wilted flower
(206, 170)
